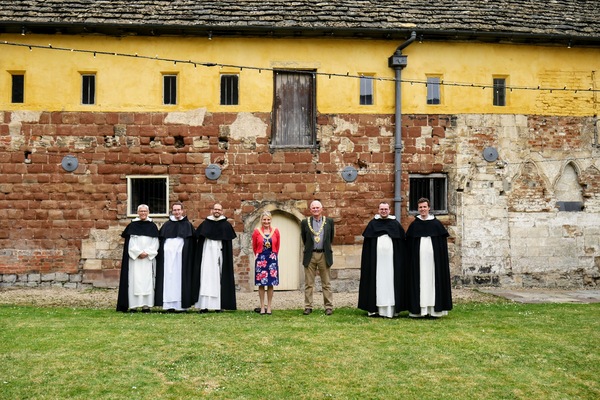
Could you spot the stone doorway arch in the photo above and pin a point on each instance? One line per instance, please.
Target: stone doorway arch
(291, 271)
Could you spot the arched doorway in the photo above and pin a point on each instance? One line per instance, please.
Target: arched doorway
(290, 252)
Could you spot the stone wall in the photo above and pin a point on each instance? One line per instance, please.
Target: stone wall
(68, 223)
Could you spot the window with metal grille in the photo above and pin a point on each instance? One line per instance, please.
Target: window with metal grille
(499, 91)
(433, 187)
(150, 190)
(434, 95)
(88, 89)
(170, 89)
(366, 90)
(229, 90)
(18, 88)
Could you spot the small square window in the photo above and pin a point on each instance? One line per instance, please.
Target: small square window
(88, 89)
(434, 95)
(18, 88)
(433, 187)
(229, 90)
(150, 190)
(499, 92)
(170, 89)
(366, 90)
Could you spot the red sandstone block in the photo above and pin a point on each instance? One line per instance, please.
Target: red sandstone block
(44, 118)
(433, 120)
(142, 118)
(372, 131)
(177, 130)
(147, 131)
(64, 130)
(86, 118)
(141, 169)
(34, 168)
(438, 132)
(420, 120)
(56, 118)
(126, 118)
(265, 158)
(413, 132)
(158, 118)
(443, 121)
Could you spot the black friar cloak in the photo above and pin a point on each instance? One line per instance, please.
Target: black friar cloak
(217, 230)
(170, 230)
(367, 292)
(135, 228)
(439, 239)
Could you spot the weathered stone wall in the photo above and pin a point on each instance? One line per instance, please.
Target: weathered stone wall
(63, 227)
(509, 230)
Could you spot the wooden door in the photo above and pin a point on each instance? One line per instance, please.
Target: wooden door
(294, 110)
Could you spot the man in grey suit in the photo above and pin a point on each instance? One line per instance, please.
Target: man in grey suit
(317, 234)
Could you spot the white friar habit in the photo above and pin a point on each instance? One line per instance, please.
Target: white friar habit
(136, 284)
(382, 288)
(174, 264)
(214, 285)
(429, 268)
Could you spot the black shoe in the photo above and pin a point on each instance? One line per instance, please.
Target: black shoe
(204, 311)
(257, 310)
(132, 310)
(307, 311)
(145, 310)
(328, 311)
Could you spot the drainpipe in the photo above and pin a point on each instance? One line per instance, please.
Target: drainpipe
(398, 61)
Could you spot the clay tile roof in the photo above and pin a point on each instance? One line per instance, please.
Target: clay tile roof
(448, 18)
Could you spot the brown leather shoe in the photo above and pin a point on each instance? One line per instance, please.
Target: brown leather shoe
(328, 311)
(307, 311)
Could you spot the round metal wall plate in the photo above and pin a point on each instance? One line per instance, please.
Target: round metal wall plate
(490, 154)
(349, 174)
(213, 172)
(69, 163)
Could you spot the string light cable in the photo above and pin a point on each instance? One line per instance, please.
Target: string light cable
(316, 73)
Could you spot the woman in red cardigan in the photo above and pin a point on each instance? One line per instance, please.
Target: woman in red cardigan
(265, 243)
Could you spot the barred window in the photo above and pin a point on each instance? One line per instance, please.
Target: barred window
(18, 88)
(434, 95)
(170, 89)
(433, 187)
(229, 90)
(88, 89)
(150, 190)
(499, 92)
(366, 90)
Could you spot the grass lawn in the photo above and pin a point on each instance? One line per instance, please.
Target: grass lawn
(497, 350)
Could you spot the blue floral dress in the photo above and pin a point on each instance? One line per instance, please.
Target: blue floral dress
(266, 266)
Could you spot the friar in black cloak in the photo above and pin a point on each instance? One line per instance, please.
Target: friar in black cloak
(178, 226)
(214, 228)
(383, 224)
(142, 226)
(427, 226)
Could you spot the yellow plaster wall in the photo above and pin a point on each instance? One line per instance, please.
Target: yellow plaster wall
(52, 77)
